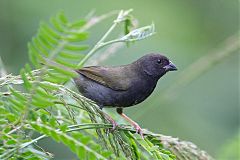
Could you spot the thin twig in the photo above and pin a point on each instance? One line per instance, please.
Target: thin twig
(3, 71)
(105, 55)
(167, 141)
(101, 43)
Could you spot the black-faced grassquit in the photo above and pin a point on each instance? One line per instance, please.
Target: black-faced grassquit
(123, 86)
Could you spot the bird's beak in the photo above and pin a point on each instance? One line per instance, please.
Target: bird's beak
(170, 67)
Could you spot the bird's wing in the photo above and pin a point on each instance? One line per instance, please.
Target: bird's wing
(111, 77)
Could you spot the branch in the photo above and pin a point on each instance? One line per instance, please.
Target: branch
(3, 71)
(184, 150)
(121, 16)
(134, 35)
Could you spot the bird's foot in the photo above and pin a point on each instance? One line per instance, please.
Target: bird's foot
(138, 129)
(114, 124)
(112, 121)
(134, 124)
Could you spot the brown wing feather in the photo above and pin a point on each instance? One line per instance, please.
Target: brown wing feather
(110, 77)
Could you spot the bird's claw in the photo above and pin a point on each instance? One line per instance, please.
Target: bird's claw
(114, 125)
(109, 119)
(139, 130)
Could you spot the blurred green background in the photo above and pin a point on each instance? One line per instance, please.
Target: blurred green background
(206, 111)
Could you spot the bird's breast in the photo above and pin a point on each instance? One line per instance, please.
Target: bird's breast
(141, 90)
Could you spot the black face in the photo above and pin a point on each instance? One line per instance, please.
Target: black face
(156, 65)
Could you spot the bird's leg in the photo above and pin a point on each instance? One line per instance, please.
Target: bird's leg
(109, 118)
(134, 124)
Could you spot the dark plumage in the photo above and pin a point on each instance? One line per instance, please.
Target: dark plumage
(123, 86)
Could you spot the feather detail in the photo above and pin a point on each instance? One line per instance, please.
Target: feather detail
(109, 77)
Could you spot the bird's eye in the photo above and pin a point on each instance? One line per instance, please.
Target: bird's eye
(159, 61)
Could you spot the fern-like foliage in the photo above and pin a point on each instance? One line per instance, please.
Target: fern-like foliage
(39, 101)
(62, 42)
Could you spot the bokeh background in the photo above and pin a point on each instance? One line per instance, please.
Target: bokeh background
(204, 111)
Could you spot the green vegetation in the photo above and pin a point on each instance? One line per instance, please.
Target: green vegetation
(41, 102)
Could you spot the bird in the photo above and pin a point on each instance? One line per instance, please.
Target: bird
(123, 86)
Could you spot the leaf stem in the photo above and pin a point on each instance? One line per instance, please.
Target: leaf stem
(97, 46)
(121, 17)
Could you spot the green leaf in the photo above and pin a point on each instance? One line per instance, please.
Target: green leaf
(75, 145)
(81, 153)
(38, 48)
(41, 101)
(19, 96)
(57, 25)
(51, 40)
(56, 78)
(3, 121)
(76, 37)
(63, 18)
(55, 136)
(41, 92)
(44, 118)
(77, 24)
(66, 63)
(63, 127)
(29, 70)
(53, 122)
(71, 56)
(36, 126)
(26, 83)
(76, 47)
(34, 56)
(107, 154)
(45, 42)
(46, 28)
(16, 103)
(11, 117)
(67, 73)
(48, 86)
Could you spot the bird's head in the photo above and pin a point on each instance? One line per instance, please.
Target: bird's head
(156, 65)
